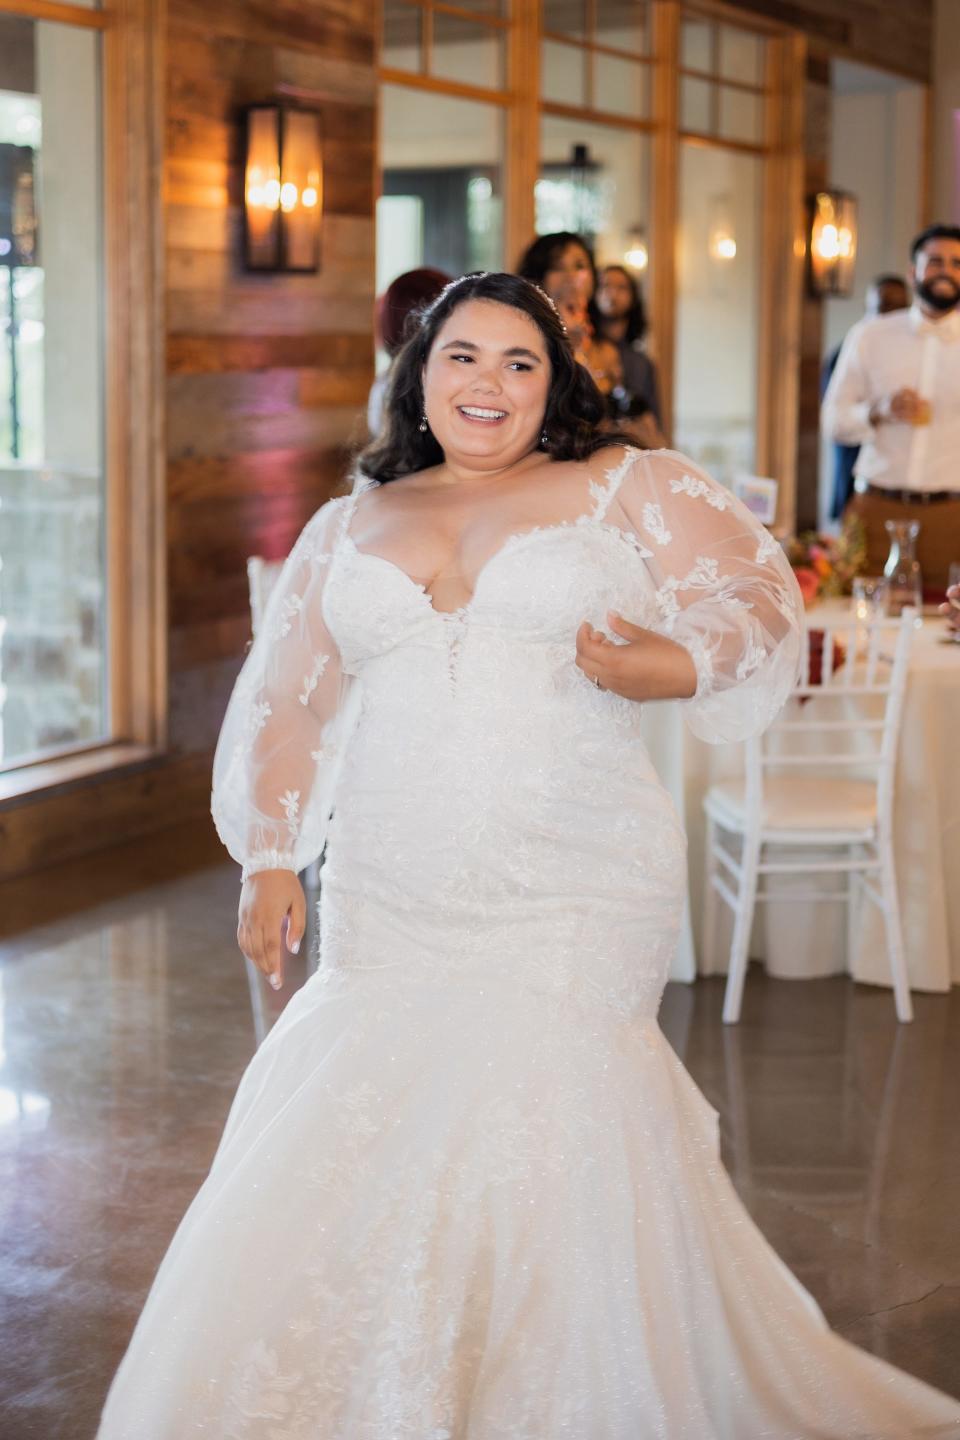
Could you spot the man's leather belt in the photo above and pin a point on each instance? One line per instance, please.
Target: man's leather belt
(908, 497)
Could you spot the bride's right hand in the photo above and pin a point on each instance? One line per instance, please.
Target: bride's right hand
(266, 900)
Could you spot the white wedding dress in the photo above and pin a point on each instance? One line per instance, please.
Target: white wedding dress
(466, 1190)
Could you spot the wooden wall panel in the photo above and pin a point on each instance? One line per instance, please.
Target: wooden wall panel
(891, 34)
(267, 375)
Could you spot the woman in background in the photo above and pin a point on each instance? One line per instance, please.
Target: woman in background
(562, 264)
(623, 321)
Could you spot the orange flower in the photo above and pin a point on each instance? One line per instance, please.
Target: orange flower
(822, 566)
(809, 583)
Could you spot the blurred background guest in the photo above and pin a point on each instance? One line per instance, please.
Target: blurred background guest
(407, 295)
(623, 321)
(884, 294)
(896, 393)
(562, 264)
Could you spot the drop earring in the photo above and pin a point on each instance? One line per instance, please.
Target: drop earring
(423, 423)
(544, 439)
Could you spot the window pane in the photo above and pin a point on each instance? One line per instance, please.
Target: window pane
(718, 270)
(696, 45)
(565, 17)
(741, 115)
(53, 681)
(622, 24)
(696, 104)
(619, 86)
(442, 197)
(563, 73)
(607, 200)
(402, 36)
(467, 52)
(741, 55)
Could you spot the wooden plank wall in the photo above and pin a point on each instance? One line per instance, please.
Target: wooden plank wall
(267, 375)
(890, 34)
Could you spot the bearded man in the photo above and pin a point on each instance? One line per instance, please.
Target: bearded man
(895, 392)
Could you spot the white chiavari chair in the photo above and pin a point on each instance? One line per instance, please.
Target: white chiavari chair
(817, 796)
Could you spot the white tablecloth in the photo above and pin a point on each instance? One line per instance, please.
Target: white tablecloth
(802, 940)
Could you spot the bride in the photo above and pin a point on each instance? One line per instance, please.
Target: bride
(466, 1190)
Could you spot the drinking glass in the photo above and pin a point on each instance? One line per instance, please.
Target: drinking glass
(869, 596)
(902, 570)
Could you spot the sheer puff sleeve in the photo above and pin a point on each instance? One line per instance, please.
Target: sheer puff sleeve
(723, 590)
(279, 750)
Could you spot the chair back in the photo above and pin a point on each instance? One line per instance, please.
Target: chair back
(262, 575)
(843, 717)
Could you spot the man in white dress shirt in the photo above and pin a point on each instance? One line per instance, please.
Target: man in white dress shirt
(895, 392)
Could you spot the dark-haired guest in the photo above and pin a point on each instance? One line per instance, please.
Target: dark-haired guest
(623, 321)
(896, 394)
(563, 266)
(403, 297)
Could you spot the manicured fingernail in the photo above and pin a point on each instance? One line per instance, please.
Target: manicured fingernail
(295, 948)
(276, 981)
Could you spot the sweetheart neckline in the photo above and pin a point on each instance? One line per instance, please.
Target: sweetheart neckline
(509, 543)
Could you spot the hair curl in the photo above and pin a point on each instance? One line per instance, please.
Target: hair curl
(575, 408)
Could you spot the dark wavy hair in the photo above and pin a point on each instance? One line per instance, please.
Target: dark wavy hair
(546, 252)
(933, 232)
(637, 314)
(575, 408)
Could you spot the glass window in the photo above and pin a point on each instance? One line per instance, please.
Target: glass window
(604, 199)
(467, 52)
(621, 24)
(53, 655)
(442, 193)
(741, 115)
(696, 104)
(402, 36)
(565, 17)
(718, 306)
(696, 45)
(563, 73)
(741, 55)
(619, 86)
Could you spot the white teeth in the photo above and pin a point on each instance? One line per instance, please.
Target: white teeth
(483, 414)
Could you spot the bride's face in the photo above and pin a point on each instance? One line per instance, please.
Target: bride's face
(485, 384)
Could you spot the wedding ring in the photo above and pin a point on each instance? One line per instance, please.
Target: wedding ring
(596, 681)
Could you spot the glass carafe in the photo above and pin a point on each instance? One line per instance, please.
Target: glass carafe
(902, 570)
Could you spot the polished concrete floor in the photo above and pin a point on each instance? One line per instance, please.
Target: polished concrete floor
(123, 1032)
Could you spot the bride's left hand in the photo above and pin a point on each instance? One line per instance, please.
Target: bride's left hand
(648, 667)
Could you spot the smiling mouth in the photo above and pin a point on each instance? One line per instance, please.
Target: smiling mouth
(481, 415)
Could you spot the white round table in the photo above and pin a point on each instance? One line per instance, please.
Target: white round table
(803, 940)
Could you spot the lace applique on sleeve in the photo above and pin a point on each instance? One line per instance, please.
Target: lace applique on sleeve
(278, 754)
(724, 590)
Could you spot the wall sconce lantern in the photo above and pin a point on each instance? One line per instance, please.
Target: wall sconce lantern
(833, 242)
(282, 188)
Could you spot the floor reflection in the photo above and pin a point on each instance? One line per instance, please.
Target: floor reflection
(124, 1033)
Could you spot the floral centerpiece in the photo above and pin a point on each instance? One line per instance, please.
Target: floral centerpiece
(826, 564)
